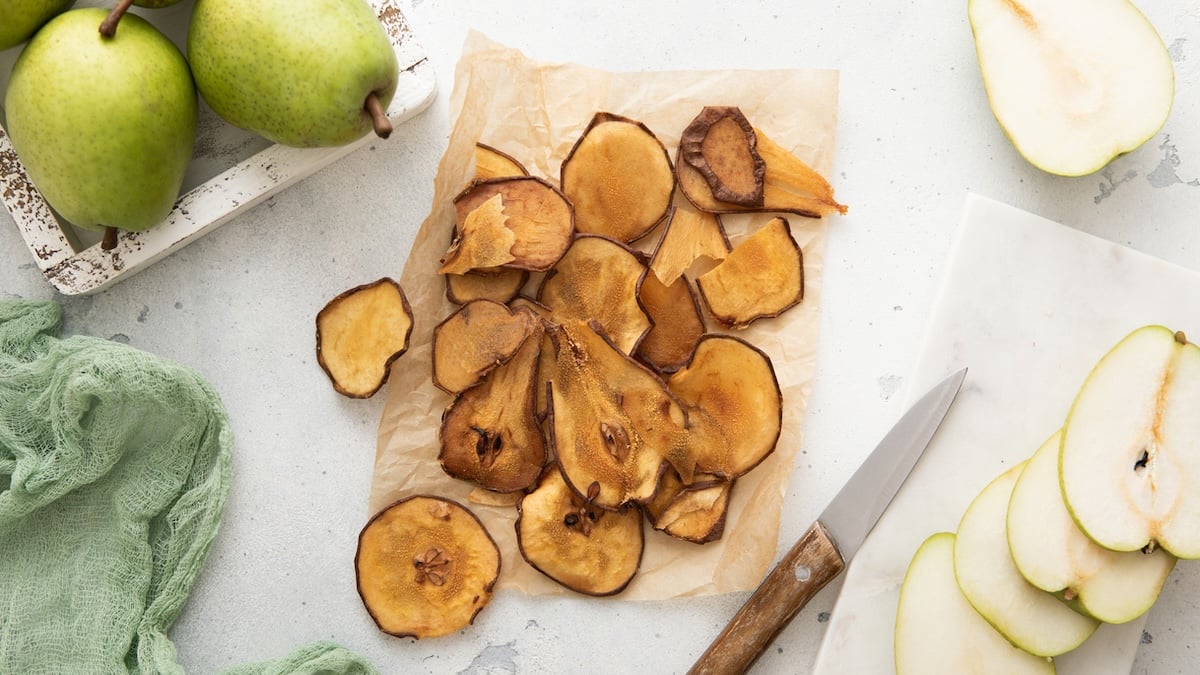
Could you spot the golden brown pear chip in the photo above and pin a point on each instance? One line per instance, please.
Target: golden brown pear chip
(483, 240)
(762, 277)
(720, 143)
(619, 178)
(688, 236)
(692, 513)
(734, 406)
(425, 567)
(598, 278)
(490, 434)
(492, 163)
(476, 338)
(501, 285)
(547, 359)
(359, 333)
(610, 418)
(678, 323)
(583, 547)
(540, 219)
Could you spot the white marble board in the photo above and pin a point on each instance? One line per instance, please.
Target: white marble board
(1028, 305)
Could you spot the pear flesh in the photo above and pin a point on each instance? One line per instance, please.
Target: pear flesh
(302, 73)
(1052, 553)
(104, 126)
(1131, 446)
(22, 18)
(1073, 83)
(1029, 617)
(937, 630)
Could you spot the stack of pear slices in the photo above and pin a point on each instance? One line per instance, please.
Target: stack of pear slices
(1085, 531)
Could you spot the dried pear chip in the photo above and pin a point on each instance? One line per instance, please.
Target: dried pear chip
(492, 163)
(694, 513)
(688, 236)
(360, 333)
(490, 434)
(618, 176)
(762, 277)
(425, 566)
(598, 278)
(789, 186)
(499, 284)
(546, 360)
(585, 548)
(678, 324)
(484, 240)
(539, 217)
(720, 143)
(609, 418)
(476, 338)
(734, 407)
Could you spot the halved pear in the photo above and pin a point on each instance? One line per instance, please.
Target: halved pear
(1029, 617)
(1053, 554)
(1073, 83)
(937, 630)
(1130, 457)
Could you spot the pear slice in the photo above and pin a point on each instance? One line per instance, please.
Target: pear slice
(721, 144)
(598, 279)
(678, 323)
(1029, 617)
(937, 630)
(1072, 94)
(476, 338)
(498, 284)
(694, 513)
(689, 235)
(490, 434)
(581, 546)
(522, 222)
(1130, 457)
(610, 418)
(1053, 554)
(619, 178)
(425, 566)
(761, 278)
(493, 163)
(360, 332)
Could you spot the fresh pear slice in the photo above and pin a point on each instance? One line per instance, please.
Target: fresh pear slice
(1053, 554)
(937, 630)
(1130, 458)
(1072, 94)
(598, 278)
(1029, 617)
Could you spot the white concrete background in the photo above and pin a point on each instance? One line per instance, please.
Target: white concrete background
(915, 134)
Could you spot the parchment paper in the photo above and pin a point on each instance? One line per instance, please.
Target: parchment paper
(535, 111)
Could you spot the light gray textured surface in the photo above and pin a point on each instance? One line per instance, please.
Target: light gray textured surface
(915, 135)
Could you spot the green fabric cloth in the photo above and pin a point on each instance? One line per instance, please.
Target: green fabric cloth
(114, 467)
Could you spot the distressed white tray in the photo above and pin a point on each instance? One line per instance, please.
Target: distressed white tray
(231, 170)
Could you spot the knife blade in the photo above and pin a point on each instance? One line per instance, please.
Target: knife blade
(825, 549)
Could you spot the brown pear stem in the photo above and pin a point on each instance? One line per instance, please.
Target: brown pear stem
(379, 118)
(108, 27)
(109, 242)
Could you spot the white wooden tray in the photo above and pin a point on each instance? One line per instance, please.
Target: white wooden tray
(231, 170)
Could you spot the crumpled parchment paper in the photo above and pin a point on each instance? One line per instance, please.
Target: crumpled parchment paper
(535, 111)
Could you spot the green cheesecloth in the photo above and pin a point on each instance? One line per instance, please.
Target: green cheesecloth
(114, 467)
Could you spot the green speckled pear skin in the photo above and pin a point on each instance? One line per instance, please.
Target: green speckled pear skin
(296, 72)
(105, 127)
(20, 19)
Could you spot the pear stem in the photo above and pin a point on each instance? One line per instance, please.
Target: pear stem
(109, 242)
(379, 118)
(108, 27)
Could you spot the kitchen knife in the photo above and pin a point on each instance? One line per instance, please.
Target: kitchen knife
(824, 550)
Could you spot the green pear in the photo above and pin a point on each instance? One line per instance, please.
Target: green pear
(20, 19)
(303, 73)
(104, 126)
(1073, 83)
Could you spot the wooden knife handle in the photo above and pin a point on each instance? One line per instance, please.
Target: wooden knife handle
(813, 562)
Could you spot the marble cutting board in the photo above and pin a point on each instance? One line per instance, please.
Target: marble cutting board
(1029, 306)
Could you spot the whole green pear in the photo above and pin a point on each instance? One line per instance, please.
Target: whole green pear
(20, 19)
(297, 72)
(104, 126)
